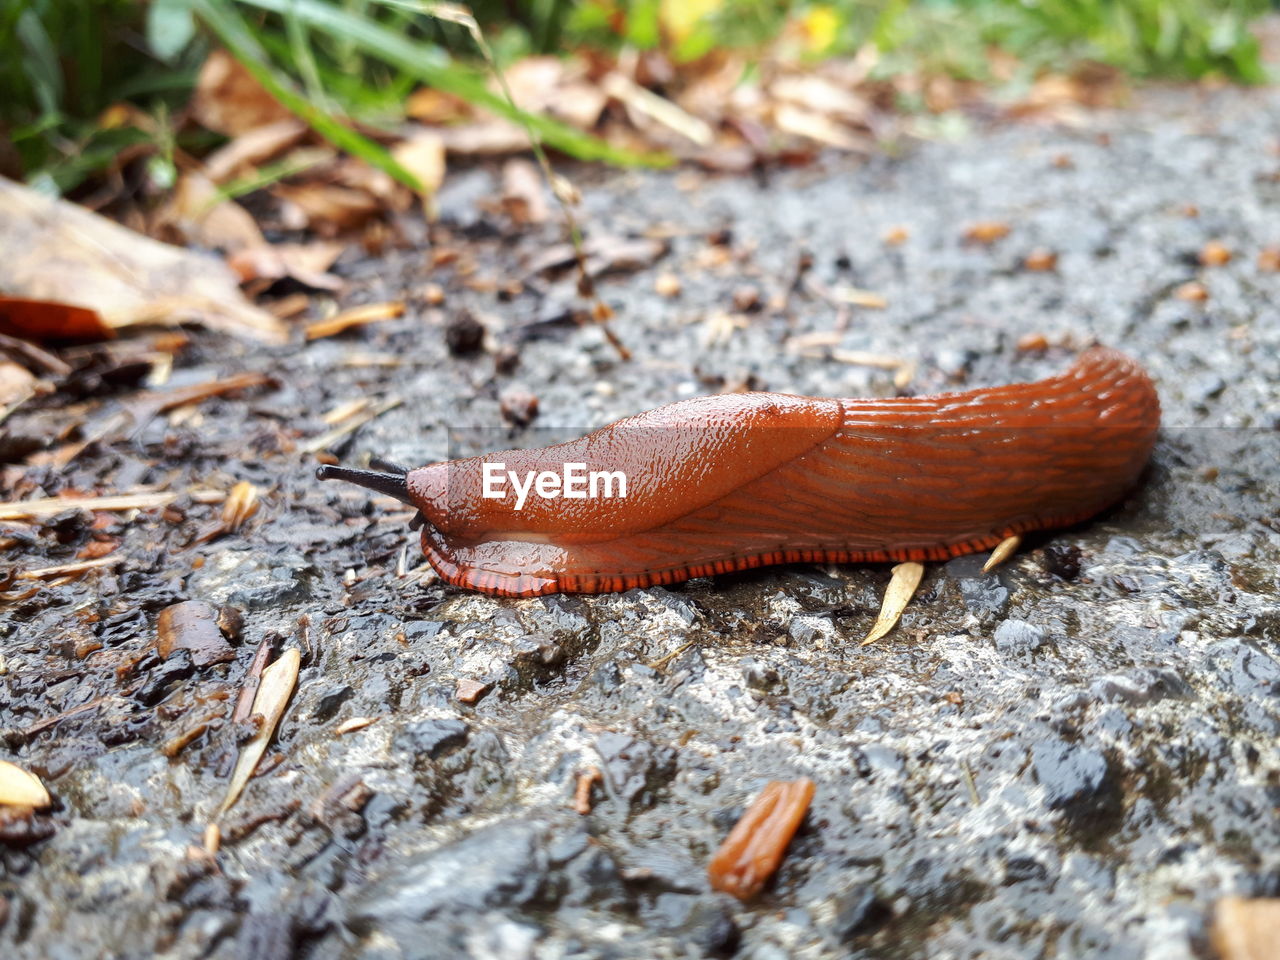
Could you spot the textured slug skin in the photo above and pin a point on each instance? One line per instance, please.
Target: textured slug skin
(725, 483)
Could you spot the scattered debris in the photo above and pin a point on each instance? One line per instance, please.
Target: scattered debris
(355, 317)
(353, 724)
(1003, 551)
(193, 625)
(1192, 291)
(1040, 260)
(1214, 254)
(18, 788)
(470, 691)
(582, 792)
(127, 278)
(754, 848)
(986, 232)
(902, 587)
(274, 691)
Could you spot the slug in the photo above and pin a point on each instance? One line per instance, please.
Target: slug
(724, 483)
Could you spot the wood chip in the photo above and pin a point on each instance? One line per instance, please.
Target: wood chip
(1192, 292)
(1040, 260)
(859, 298)
(353, 724)
(1215, 254)
(355, 317)
(582, 792)
(986, 232)
(241, 504)
(274, 691)
(18, 788)
(906, 578)
(469, 690)
(754, 848)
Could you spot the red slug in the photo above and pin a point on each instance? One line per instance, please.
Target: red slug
(717, 484)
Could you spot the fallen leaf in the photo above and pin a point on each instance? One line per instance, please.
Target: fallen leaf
(753, 850)
(274, 690)
(18, 788)
(50, 320)
(329, 208)
(435, 107)
(195, 215)
(819, 95)
(126, 277)
(17, 383)
(241, 504)
(229, 100)
(423, 155)
(817, 127)
(902, 587)
(307, 263)
(241, 156)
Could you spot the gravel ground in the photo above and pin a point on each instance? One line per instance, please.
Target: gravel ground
(1075, 756)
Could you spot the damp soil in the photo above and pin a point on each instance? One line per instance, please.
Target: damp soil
(1073, 756)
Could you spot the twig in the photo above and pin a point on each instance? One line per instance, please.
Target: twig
(327, 439)
(69, 568)
(48, 506)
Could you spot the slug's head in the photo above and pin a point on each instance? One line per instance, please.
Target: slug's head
(426, 488)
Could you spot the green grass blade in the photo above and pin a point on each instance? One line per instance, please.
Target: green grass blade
(235, 34)
(434, 68)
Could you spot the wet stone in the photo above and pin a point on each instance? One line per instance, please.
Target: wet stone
(503, 865)
(1072, 775)
(634, 769)
(859, 912)
(432, 738)
(1018, 636)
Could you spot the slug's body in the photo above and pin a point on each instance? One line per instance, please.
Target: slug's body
(724, 483)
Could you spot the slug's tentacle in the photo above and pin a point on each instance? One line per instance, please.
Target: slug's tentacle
(719, 484)
(391, 484)
(390, 466)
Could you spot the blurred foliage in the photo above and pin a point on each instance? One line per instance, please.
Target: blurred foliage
(63, 63)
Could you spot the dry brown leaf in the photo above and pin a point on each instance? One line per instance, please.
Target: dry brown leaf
(50, 320)
(485, 138)
(194, 215)
(523, 198)
(17, 383)
(435, 107)
(274, 690)
(329, 208)
(241, 156)
(817, 127)
(819, 95)
(902, 587)
(241, 504)
(306, 263)
(229, 100)
(423, 155)
(753, 850)
(18, 788)
(126, 277)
